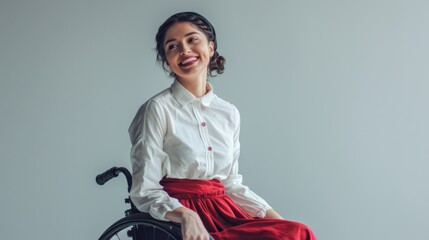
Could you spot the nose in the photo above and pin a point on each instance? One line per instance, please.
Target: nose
(185, 49)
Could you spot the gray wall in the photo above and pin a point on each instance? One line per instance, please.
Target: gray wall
(333, 97)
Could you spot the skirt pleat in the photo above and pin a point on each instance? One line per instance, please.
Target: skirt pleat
(224, 219)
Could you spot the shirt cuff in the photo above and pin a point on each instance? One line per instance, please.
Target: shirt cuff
(158, 212)
(263, 212)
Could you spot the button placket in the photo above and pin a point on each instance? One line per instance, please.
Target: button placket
(205, 138)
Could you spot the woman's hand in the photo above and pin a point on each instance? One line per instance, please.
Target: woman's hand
(273, 214)
(192, 226)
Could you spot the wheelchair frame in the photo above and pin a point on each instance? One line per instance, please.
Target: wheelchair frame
(143, 226)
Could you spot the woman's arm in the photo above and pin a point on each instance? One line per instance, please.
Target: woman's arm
(246, 199)
(148, 160)
(192, 226)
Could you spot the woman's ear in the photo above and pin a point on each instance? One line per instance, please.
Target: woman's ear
(211, 48)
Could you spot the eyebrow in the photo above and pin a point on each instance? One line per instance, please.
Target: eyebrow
(173, 39)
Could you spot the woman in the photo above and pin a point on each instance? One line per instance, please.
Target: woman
(185, 147)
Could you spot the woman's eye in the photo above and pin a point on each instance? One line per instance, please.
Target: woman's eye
(171, 47)
(194, 39)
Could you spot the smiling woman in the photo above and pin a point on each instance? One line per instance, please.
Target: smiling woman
(185, 147)
(188, 53)
(200, 25)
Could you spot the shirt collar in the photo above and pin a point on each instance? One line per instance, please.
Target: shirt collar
(184, 97)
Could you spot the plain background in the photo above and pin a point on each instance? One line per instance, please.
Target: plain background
(333, 97)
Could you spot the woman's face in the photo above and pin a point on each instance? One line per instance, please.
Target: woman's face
(187, 50)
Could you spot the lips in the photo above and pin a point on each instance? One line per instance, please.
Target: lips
(187, 61)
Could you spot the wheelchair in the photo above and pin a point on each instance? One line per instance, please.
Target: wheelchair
(137, 225)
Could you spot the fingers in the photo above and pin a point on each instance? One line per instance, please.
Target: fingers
(196, 235)
(207, 237)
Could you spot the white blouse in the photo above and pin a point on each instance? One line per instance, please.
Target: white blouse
(177, 135)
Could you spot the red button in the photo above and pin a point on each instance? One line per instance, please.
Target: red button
(209, 148)
(203, 124)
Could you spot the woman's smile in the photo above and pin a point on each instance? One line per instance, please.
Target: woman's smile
(188, 61)
(187, 51)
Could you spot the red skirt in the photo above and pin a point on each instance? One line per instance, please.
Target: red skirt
(224, 219)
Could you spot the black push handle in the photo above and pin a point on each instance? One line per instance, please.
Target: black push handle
(102, 178)
(112, 173)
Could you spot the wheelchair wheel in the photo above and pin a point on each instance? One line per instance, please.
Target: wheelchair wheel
(140, 226)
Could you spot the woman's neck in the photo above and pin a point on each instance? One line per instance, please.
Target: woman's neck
(196, 86)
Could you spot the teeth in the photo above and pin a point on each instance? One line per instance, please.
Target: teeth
(189, 60)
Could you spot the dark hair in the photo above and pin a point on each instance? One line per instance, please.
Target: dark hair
(217, 62)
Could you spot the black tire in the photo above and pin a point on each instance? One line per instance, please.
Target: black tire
(144, 228)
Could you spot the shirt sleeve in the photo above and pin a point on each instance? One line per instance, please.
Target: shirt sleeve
(250, 202)
(149, 162)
